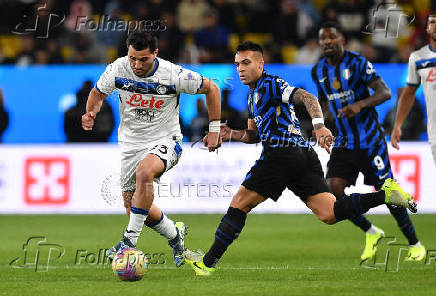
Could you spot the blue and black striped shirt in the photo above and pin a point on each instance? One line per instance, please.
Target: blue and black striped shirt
(343, 85)
(270, 105)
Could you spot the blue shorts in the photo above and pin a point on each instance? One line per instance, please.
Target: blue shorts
(295, 168)
(373, 163)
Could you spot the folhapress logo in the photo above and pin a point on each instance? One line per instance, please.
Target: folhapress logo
(38, 254)
(37, 20)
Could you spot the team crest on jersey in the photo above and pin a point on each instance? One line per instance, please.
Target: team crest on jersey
(336, 84)
(161, 89)
(256, 97)
(346, 73)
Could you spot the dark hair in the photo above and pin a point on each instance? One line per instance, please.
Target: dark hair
(141, 40)
(331, 25)
(248, 45)
(432, 13)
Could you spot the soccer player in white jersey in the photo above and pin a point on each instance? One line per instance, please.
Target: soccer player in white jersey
(422, 70)
(149, 133)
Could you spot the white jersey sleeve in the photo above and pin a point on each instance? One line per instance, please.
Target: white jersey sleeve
(422, 70)
(106, 83)
(412, 74)
(187, 81)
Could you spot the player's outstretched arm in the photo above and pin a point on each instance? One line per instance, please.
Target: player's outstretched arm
(248, 135)
(381, 93)
(405, 103)
(213, 98)
(323, 135)
(213, 102)
(93, 105)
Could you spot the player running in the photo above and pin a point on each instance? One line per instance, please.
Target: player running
(287, 159)
(343, 78)
(149, 134)
(422, 69)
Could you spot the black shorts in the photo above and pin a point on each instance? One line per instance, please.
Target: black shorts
(373, 163)
(295, 168)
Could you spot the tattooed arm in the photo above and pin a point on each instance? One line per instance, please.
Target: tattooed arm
(323, 135)
(311, 103)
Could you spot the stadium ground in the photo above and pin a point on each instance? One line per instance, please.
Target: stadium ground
(275, 255)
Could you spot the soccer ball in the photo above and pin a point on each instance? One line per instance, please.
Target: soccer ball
(130, 265)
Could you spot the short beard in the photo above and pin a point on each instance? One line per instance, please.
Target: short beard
(329, 55)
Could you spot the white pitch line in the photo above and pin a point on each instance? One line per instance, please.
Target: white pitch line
(157, 266)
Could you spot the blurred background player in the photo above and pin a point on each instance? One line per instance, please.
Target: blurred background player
(149, 134)
(287, 159)
(200, 122)
(4, 116)
(422, 70)
(414, 127)
(103, 125)
(342, 78)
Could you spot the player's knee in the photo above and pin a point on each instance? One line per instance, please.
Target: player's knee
(337, 187)
(327, 217)
(144, 175)
(243, 203)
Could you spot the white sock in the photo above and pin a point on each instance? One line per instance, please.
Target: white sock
(165, 227)
(418, 244)
(372, 230)
(136, 223)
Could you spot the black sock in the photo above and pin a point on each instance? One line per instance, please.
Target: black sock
(405, 224)
(229, 229)
(361, 222)
(351, 206)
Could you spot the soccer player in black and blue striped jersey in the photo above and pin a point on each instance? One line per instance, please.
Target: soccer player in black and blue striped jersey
(287, 159)
(343, 79)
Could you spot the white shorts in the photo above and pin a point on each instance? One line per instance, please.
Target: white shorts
(167, 149)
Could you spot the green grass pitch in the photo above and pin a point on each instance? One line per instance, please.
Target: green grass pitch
(275, 255)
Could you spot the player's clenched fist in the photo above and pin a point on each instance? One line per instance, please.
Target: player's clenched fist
(212, 141)
(324, 138)
(88, 121)
(396, 137)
